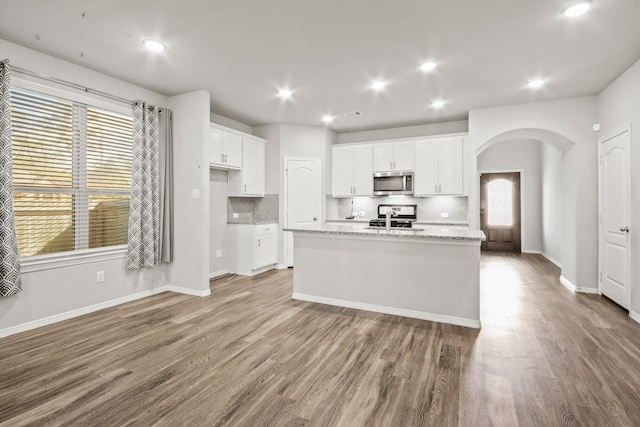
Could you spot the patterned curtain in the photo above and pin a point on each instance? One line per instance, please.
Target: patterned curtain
(144, 209)
(10, 279)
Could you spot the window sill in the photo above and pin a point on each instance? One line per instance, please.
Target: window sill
(48, 262)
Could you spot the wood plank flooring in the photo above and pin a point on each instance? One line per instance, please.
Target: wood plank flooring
(250, 356)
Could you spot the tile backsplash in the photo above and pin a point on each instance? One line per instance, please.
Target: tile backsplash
(253, 208)
(429, 208)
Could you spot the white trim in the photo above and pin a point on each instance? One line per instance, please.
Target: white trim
(436, 240)
(460, 321)
(635, 316)
(526, 251)
(577, 289)
(67, 259)
(403, 139)
(218, 273)
(281, 267)
(23, 327)
(552, 260)
(567, 284)
(189, 291)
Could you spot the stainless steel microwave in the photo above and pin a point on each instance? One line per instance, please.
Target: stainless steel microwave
(393, 183)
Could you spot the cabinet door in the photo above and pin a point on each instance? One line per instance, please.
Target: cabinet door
(383, 157)
(363, 170)
(426, 168)
(450, 162)
(342, 171)
(403, 156)
(253, 170)
(232, 148)
(215, 148)
(266, 250)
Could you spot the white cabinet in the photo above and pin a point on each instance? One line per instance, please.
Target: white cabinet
(393, 156)
(439, 167)
(250, 180)
(253, 247)
(225, 149)
(352, 171)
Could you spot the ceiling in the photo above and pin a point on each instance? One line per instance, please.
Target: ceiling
(328, 52)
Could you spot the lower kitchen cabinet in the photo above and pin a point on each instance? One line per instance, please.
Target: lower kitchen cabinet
(253, 248)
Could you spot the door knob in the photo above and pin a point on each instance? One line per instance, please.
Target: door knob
(624, 229)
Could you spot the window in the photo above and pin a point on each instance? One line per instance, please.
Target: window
(71, 174)
(500, 202)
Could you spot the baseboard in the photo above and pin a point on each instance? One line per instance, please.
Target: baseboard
(281, 267)
(526, 251)
(459, 321)
(635, 316)
(567, 284)
(552, 260)
(23, 327)
(218, 273)
(189, 291)
(577, 289)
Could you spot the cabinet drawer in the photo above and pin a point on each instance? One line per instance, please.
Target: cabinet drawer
(263, 229)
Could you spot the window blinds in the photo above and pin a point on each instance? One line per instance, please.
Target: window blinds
(72, 174)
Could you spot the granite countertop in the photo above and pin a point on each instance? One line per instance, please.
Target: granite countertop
(362, 220)
(438, 232)
(251, 222)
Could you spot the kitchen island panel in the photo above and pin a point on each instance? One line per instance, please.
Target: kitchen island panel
(427, 279)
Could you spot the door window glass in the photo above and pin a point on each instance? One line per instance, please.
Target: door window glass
(500, 202)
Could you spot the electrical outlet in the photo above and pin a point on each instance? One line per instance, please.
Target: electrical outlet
(444, 215)
(195, 193)
(360, 213)
(100, 277)
(219, 253)
(235, 215)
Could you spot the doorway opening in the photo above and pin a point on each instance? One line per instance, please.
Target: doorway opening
(500, 213)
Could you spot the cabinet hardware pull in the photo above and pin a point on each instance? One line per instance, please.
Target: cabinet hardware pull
(624, 229)
(245, 188)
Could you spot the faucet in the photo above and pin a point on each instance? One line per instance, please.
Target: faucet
(387, 218)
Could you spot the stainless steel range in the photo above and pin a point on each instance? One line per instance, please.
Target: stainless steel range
(395, 216)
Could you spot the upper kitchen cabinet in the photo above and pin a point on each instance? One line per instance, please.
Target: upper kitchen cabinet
(439, 167)
(352, 171)
(393, 156)
(250, 180)
(225, 149)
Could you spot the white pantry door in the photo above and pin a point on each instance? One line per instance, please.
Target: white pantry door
(615, 198)
(303, 193)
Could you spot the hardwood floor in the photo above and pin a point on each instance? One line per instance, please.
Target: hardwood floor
(250, 356)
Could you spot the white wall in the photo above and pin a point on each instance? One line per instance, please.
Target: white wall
(551, 202)
(219, 239)
(619, 106)
(190, 267)
(573, 119)
(461, 126)
(230, 123)
(525, 156)
(56, 291)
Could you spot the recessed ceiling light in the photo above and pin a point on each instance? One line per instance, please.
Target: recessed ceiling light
(535, 84)
(153, 45)
(327, 118)
(378, 84)
(576, 8)
(438, 104)
(285, 93)
(428, 66)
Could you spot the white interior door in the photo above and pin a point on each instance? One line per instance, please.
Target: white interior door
(303, 193)
(615, 200)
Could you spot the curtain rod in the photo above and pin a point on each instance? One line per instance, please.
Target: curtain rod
(72, 85)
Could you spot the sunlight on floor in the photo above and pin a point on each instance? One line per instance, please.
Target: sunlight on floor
(501, 294)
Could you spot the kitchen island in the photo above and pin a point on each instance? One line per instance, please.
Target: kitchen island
(430, 273)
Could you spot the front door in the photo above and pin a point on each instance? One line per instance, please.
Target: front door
(302, 199)
(500, 211)
(615, 197)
